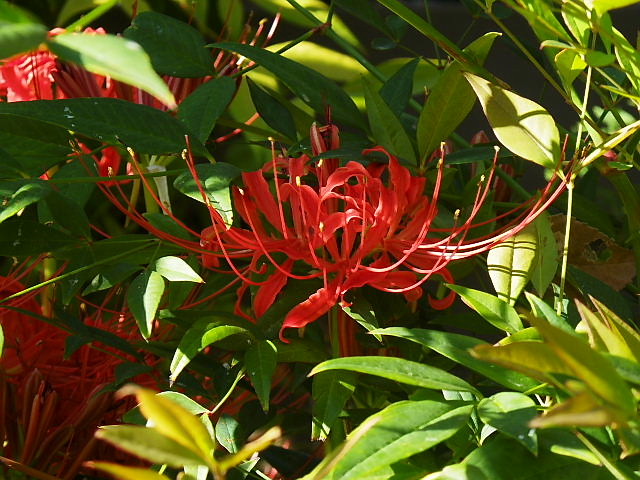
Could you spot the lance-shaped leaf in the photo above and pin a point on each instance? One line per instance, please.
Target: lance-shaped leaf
(313, 88)
(521, 125)
(398, 370)
(173, 421)
(272, 111)
(203, 333)
(127, 473)
(20, 37)
(623, 330)
(149, 444)
(331, 390)
(511, 263)
(546, 259)
(510, 413)
(176, 269)
(584, 410)
(117, 57)
(589, 366)
(456, 347)
(603, 6)
(229, 433)
(494, 310)
(450, 100)
(143, 298)
(17, 196)
(260, 362)
(399, 431)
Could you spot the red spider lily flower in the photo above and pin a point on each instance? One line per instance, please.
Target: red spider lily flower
(351, 226)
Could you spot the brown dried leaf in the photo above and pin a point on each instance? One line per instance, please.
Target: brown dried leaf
(595, 253)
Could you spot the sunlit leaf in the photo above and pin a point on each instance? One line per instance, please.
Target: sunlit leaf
(228, 433)
(399, 370)
(143, 298)
(117, 57)
(603, 6)
(123, 472)
(493, 309)
(16, 196)
(176, 269)
(511, 413)
(521, 125)
(582, 410)
(546, 259)
(331, 390)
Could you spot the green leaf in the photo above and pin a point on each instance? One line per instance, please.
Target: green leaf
(626, 332)
(202, 334)
(175, 47)
(109, 120)
(398, 370)
(450, 100)
(19, 237)
(229, 433)
(546, 258)
(510, 413)
(260, 362)
(185, 402)
(149, 444)
(398, 90)
(510, 263)
(386, 127)
(494, 310)
(176, 269)
(109, 276)
(313, 88)
(521, 125)
(116, 57)
(215, 180)
(143, 297)
(603, 6)
(569, 65)
(540, 309)
(272, 111)
(456, 347)
(401, 430)
(65, 212)
(173, 421)
(331, 390)
(596, 288)
(202, 108)
(123, 472)
(13, 201)
(20, 37)
(589, 366)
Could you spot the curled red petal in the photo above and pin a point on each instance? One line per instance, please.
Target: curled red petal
(268, 292)
(310, 310)
(446, 302)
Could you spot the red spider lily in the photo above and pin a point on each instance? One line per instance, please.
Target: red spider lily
(351, 226)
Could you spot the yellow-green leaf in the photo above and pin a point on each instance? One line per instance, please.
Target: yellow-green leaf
(582, 410)
(123, 472)
(521, 125)
(603, 6)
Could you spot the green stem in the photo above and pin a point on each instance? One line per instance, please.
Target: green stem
(613, 469)
(334, 331)
(565, 247)
(229, 392)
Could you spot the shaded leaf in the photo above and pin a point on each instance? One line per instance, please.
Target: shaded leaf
(20, 37)
(276, 115)
(313, 88)
(399, 370)
(19, 237)
(546, 259)
(511, 413)
(116, 57)
(16, 196)
(398, 89)
(521, 125)
(229, 433)
(175, 47)
(331, 390)
(202, 108)
(260, 362)
(540, 309)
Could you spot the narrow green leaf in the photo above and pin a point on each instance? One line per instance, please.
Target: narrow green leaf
(399, 431)
(540, 309)
(512, 262)
(15, 200)
(215, 179)
(510, 413)
(260, 362)
(627, 333)
(272, 111)
(143, 298)
(603, 6)
(175, 47)
(229, 433)
(493, 309)
(546, 259)
(521, 125)
(313, 88)
(109, 120)
(20, 37)
(123, 472)
(149, 444)
(202, 334)
(588, 365)
(176, 269)
(202, 108)
(20, 237)
(398, 90)
(456, 347)
(386, 127)
(398, 370)
(117, 57)
(450, 100)
(331, 390)
(173, 421)
(185, 402)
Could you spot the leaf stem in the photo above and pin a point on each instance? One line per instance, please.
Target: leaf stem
(565, 246)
